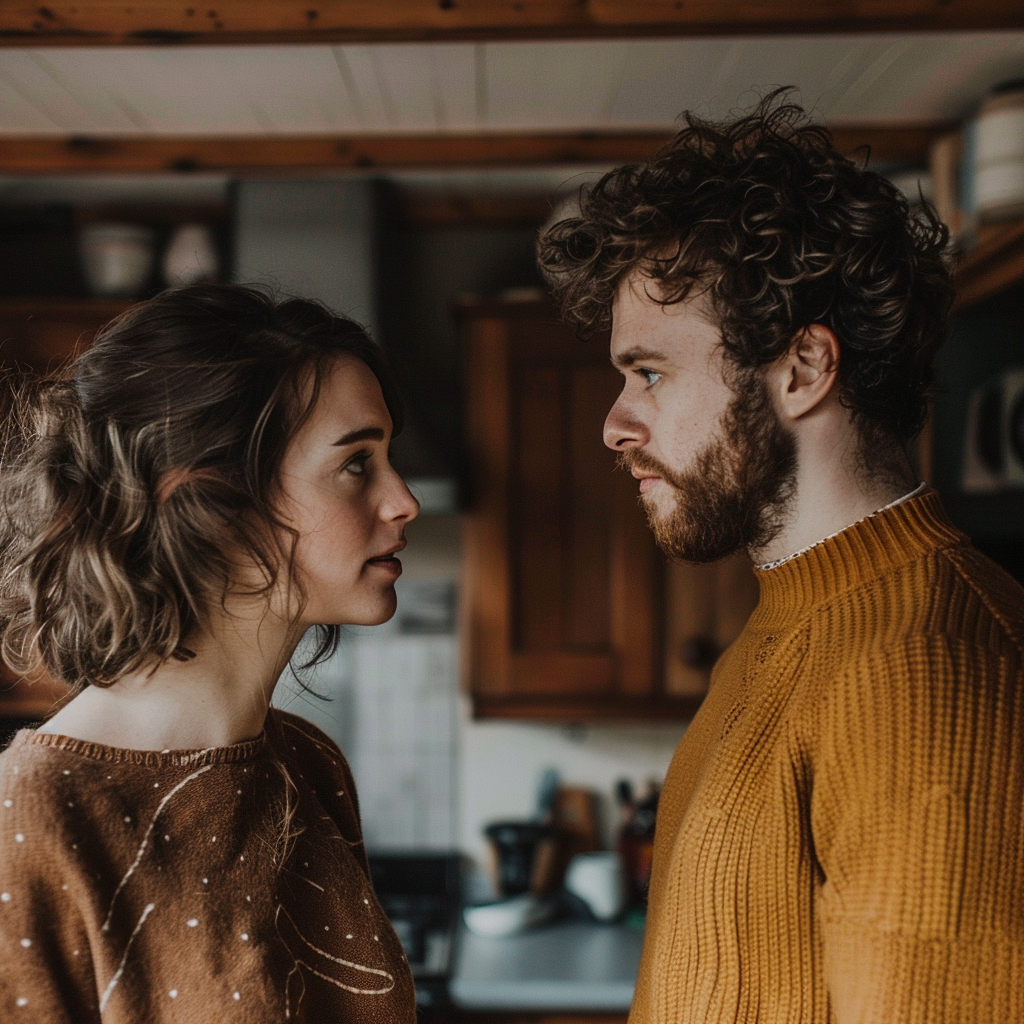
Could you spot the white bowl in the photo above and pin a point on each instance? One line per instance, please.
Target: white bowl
(117, 258)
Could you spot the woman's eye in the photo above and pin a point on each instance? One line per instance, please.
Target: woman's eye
(356, 465)
(650, 376)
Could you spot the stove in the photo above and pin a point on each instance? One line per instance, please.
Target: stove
(421, 894)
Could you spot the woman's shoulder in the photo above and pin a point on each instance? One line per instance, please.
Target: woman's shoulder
(35, 790)
(29, 761)
(297, 741)
(317, 764)
(300, 736)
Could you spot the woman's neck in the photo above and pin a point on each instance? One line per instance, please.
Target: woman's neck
(219, 697)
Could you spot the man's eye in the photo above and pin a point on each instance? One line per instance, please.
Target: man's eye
(650, 376)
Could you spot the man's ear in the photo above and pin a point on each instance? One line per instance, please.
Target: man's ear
(806, 375)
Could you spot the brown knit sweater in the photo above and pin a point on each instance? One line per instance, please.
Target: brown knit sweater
(841, 834)
(138, 886)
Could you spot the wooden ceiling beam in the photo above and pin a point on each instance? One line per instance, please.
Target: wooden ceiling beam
(298, 153)
(158, 22)
(904, 144)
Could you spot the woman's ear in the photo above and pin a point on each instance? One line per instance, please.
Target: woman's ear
(806, 375)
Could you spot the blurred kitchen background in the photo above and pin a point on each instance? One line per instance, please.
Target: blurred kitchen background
(544, 660)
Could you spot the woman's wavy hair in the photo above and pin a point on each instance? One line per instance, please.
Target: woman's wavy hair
(780, 231)
(133, 480)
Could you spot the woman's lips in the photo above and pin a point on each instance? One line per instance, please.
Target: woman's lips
(387, 563)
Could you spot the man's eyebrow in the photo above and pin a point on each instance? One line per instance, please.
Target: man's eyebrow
(363, 434)
(638, 354)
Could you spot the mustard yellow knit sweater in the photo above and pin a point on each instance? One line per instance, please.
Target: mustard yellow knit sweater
(841, 834)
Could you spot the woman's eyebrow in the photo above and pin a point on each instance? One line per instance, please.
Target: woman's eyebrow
(363, 434)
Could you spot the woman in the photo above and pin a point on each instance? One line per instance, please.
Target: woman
(200, 487)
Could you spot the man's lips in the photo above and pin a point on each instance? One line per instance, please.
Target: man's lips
(647, 480)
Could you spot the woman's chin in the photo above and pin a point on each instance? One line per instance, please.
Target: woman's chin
(373, 615)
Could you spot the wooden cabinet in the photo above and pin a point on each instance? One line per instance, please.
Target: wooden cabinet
(564, 596)
(706, 608)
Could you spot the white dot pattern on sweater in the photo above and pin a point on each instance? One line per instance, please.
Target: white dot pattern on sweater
(152, 869)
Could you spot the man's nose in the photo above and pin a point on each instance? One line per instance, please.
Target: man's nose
(623, 430)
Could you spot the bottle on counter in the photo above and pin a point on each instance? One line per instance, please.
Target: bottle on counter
(636, 833)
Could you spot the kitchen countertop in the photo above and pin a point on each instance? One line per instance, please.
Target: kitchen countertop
(568, 965)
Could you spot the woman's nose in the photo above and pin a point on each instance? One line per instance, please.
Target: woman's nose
(622, 429)
(400, 504)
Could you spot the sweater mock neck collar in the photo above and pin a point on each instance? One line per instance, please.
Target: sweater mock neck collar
(862, 552)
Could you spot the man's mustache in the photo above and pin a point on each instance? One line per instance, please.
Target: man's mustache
(637, 458)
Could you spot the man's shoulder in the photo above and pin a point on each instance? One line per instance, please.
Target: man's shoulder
(943, 631)
(999, 595)
(953, 591)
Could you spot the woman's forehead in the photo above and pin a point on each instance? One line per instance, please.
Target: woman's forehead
(350, 397)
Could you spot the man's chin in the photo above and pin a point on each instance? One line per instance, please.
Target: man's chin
(660, 503)
(692, 542)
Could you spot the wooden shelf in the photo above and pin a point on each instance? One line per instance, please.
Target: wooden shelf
(995, 262)
(585, 709)
(59, 307)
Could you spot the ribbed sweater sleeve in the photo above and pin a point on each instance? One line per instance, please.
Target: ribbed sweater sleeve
(916, 817)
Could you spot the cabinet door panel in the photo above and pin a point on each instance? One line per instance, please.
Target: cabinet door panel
(573, 672)
(707, 607)
(537, 509)
(578, 567)
(588, 571)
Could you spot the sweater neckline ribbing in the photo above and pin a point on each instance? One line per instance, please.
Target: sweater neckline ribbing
(234, 753)
(855, 556)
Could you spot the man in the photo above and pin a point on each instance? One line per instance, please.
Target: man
(841, 833)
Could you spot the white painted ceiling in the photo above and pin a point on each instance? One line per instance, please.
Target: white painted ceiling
(500, 87)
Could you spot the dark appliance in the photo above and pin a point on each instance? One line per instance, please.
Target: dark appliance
(421, 894)
(524, 852)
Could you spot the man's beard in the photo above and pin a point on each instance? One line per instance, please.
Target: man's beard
(738, 490)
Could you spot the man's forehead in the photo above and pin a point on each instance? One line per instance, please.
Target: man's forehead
(638, 288)
(646, 330)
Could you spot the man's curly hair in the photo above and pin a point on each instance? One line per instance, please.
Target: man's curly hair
(781, 231)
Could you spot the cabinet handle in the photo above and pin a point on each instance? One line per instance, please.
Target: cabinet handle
(699, 652)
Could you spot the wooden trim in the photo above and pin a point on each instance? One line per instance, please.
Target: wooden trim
(996, 262)
(59, 307)
(584, 708)
(487, 594)
(248, 22)
(241, 154)
(905, 144)
(457, 211)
